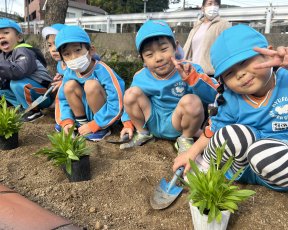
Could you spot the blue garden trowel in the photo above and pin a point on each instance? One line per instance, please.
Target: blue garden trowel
(166, 192)
(39, 100)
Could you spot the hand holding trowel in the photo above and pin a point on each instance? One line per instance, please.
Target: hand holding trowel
(39, 100)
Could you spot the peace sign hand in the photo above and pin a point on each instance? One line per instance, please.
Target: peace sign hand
(279, 57)
(184, 69)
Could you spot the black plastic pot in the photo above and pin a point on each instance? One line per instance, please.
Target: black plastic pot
(10, 143)
(80, 170)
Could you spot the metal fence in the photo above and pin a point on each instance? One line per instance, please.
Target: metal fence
(114, 23)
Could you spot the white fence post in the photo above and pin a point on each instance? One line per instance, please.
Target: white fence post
(269, 13)
(108, 24)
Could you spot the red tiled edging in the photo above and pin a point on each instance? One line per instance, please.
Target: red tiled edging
(19, 213)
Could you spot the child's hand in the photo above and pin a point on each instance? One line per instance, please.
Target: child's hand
(183, 69)
(57, 80)
(67, 127)
(57, 77)
(128, 131)
(84, 129)
(182, 160)
(279, 57)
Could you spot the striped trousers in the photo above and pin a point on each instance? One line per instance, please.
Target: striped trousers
(268, 158)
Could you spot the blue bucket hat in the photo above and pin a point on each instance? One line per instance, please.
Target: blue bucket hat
(70, 34)
(234, 45)
(152, 28)
(53, 29)
(8, 23)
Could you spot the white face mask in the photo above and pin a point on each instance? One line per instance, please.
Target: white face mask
(79, 64)
(211, 12)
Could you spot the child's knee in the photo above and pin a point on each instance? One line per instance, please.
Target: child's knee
(192, 105)
(132, 94)
(266, 156)
(16, 86)
(13, 85)
(92, 87)
(70, 87)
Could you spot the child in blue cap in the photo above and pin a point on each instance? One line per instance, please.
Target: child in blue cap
(23, 75)
(49, 33)
(252, 112)
(91, 94)
(165, 101)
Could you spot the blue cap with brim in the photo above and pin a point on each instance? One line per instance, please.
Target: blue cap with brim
(8, 23)
(52, 30)
(71, 34)
(235, 45)
(152, 28)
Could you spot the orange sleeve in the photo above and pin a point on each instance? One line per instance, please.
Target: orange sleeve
(128, 124)
(207, 131)
(194, 76)
(66, 122)
(93, 126)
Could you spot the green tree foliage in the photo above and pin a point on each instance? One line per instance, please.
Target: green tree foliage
(131, 6)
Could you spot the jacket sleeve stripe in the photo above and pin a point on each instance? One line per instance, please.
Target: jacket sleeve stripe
(119, 93)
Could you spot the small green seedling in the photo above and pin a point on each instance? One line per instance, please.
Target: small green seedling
(211, 192)
(65, 149)
(10, 119)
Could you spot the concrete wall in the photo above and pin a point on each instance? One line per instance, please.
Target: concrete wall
(123, 45)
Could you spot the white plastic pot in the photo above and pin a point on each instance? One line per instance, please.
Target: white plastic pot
(200, 222)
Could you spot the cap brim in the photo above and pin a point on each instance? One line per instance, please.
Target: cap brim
(71, 40)
(152, 35)
(49, 31)
(229, 62)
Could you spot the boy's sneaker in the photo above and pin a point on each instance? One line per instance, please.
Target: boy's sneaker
(137, 140)
(182, 144)
(32, 115)
(99, 135)
(57, 128)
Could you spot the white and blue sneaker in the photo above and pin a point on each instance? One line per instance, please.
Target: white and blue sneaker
(32, 115)
(138, 140)
(99, 135)
(57, 128)
(182, 144)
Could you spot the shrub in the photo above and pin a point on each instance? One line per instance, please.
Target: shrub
(125, 70)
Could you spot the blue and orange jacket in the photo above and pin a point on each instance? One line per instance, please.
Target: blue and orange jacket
(165, 93)
(266, 116)
(110, 112)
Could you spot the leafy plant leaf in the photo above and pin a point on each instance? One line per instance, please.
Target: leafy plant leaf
(10, 119)
(65, 149)
(211, 192)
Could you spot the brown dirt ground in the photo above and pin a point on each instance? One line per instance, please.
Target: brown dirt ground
(117, 196)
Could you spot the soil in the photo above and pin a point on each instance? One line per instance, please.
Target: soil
(117, 196)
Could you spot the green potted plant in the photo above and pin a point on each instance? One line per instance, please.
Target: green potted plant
(212, 197)
(71, 153)
(10, 124)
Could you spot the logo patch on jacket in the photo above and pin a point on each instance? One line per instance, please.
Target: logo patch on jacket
(179, 89)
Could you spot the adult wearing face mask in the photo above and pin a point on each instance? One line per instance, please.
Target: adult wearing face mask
(203, 35)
